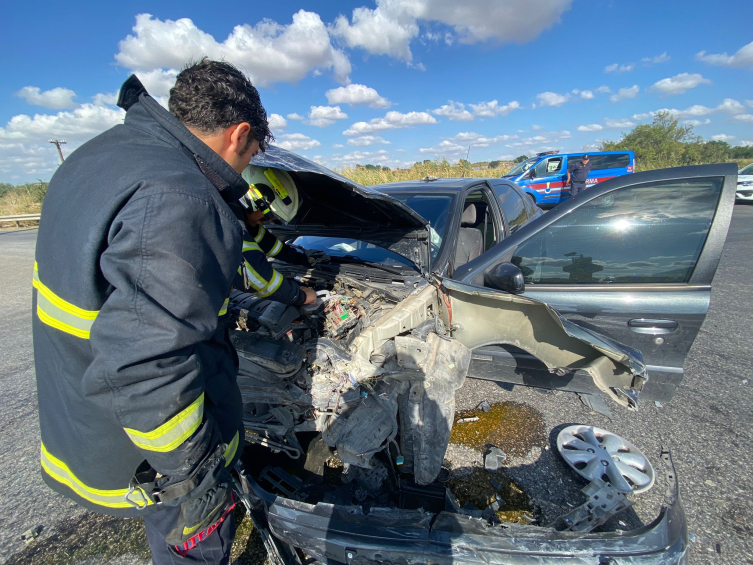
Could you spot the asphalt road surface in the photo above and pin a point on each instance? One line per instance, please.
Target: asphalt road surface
(707, 426)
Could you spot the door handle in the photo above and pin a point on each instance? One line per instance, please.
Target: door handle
(653, 327)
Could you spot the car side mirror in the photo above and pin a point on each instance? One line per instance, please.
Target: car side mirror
(505, 276)
(532, 174)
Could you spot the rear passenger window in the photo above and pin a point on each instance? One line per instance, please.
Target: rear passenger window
(619, 161)
(649, 233)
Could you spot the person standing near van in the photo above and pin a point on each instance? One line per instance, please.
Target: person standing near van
(577, 173)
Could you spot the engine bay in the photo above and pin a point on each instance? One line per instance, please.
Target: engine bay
(362, 381)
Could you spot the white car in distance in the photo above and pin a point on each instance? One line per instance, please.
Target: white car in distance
(745, 184)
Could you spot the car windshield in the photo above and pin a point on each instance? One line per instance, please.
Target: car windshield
(747, 170)
(361, 250)
(433, 207)
(521, 168)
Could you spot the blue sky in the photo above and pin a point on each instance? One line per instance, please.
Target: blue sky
(388, 82)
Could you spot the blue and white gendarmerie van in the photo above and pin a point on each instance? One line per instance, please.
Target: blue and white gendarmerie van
(543, 177)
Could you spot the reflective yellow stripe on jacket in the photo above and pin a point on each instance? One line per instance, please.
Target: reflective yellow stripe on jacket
(173, 432)
(232, 447)
(59, 471)
(61, 314)
(225, 304)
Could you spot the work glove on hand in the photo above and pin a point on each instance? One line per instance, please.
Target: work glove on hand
(316, 256)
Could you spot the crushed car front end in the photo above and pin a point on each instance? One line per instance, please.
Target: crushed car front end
(349, 404)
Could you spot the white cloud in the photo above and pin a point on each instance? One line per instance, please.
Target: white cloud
(381, 157)
(586, 95)
(267, 52)
(276, 122)
(625, 93)
(658, 59)
(617, 68)
(55, 98)
(747, 118)
(391, 120)
(24, 147)
(105, 99)
(604, 89)
(743, 57)
(478, 140)
(338, 146)
(455, 111)
(357, 94)
(389, 28)
(366, 140)
(591, 127)
(696, 123)
(324, 116)
(297, 142)
(445, 148)
(722, 137)
(492, 109)
(551, 99)
(679, 84)
(641, 117)
(158, 82)
(535, 127)
(295, 116)
(746, 143)
(728, 106)
(618, 124)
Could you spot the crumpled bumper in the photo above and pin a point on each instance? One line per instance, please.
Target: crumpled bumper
(345, 534)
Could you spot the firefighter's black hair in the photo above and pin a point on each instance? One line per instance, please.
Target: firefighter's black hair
(213, 95)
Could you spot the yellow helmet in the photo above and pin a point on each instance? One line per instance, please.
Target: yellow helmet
(273, 188)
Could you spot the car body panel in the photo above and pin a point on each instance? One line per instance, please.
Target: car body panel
(345, 534)
(549, 188)
(611, 309)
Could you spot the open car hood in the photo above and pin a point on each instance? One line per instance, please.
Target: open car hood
(332, 205)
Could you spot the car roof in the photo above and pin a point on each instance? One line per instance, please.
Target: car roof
(438, 185)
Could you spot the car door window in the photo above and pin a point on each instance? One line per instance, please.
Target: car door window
(549, 167)
(485, 220)
(513, 208)
(649, 233)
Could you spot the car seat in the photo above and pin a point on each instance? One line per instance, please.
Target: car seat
(470, 239)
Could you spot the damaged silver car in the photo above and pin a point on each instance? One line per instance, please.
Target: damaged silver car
(349, 403)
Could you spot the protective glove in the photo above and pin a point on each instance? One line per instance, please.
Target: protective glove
(212, 501)
(316, 256)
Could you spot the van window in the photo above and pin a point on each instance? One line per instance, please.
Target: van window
(549, 167)
(601, 162)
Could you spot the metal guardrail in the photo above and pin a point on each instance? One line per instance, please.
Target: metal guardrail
(20, 218)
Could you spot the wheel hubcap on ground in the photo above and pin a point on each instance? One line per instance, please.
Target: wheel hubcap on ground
(594, 453)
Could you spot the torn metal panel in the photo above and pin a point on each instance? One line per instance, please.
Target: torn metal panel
(539, 330)
(428, 410)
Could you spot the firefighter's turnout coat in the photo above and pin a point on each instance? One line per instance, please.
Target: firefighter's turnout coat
(136, 254)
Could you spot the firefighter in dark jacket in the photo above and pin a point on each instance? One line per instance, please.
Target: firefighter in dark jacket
(139, 409)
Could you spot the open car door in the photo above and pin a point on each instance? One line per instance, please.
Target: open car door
(623, 269)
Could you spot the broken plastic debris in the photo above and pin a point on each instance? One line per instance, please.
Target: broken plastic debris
(31, 534)
(485, 406)
(400, 460)
(658, 404)
(493, 459)
(467, 420)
